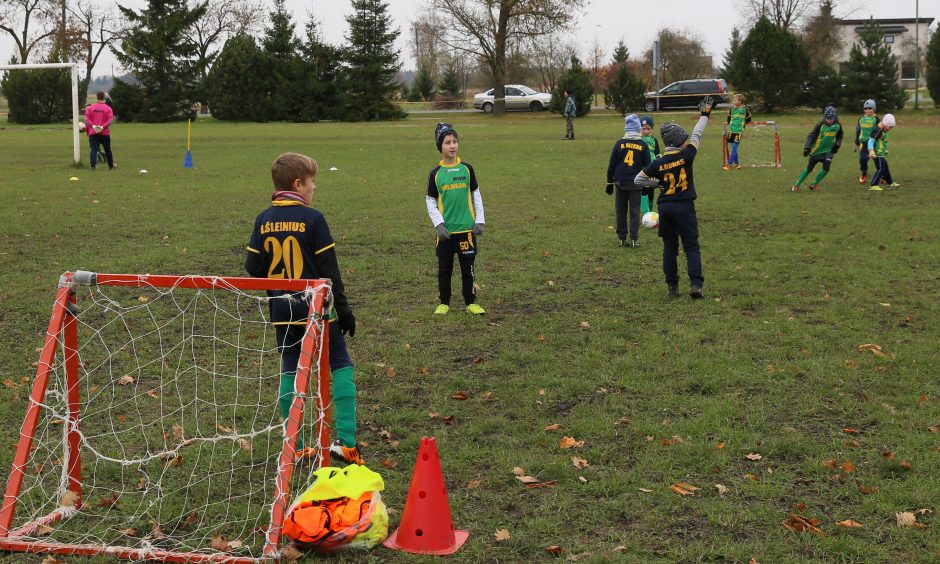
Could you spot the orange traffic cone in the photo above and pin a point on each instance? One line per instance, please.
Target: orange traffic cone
(426, 526)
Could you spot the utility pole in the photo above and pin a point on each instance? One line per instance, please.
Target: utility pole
(916, 54)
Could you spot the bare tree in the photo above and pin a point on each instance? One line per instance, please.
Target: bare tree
(550, 55)
(682, 55)
(819, 35)
(96, 28)
(595, 60)
(223, 19)
(489, 28)
(28, 22)
(785, 14)
(425, 29)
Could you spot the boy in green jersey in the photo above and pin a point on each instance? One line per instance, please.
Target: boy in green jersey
(878, 150)
(455, 207)
(646, 131)
(821, 145)
(738, 117)
(863, 129)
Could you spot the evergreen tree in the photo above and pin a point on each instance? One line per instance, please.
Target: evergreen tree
(284, 69)
(577, 81)
(279, 40)
(322, 75)
(770, 65)
(163, 59)
(238, 83)
(372, 62)
(38, 96)
(824, 88)
(450, 92)
(423, 86)
(873, 72)
(621, 55)
(727, 69)
(933, 68)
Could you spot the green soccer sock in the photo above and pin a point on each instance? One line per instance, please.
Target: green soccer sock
(285, 398)
(802, 177)
(344, 398)
(822, 174)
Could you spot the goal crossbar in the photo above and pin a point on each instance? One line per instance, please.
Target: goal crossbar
(62, 338)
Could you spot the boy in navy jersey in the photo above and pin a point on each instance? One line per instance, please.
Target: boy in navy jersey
(292, 240)
(628, 157)
(455, 207)
(673, 173)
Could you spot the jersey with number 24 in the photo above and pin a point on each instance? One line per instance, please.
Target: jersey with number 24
(674, 172)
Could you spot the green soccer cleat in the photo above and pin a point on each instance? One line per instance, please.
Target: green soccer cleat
(876, 189)
(441, 309)
(475, 309)
(894, 185)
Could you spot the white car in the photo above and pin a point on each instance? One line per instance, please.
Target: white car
(518, 97)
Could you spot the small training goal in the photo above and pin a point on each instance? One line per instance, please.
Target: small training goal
(152, 430)
(759, 147)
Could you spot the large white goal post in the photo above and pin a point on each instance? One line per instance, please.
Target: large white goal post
(152, 429)
(76, 150)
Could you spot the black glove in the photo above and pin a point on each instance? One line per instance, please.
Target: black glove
(609, 189)
(347, 323)
(835, 150)
(478, 229)
(707, 105)
(442, 232)
(805, 151)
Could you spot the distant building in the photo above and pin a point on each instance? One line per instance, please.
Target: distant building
(898, 34)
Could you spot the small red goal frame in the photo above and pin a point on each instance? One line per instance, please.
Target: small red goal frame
(62, 333)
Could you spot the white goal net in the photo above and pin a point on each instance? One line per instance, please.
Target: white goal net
(153, 428)
(759, 146)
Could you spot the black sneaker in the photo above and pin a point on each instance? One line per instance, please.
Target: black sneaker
(673, 291)
(634, 243)
(622, 243)
(696, 293)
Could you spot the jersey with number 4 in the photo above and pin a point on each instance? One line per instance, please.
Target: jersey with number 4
(674, 172)
(288, 236)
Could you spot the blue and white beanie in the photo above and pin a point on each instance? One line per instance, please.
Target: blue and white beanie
(869, 104)
(632, 124)
(829, 113)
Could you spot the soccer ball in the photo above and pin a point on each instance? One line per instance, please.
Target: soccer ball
(650, 219)
(81, 126)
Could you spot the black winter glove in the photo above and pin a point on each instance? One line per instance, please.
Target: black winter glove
(609, 189)
(707, 105)
(442, 232)
(478, 229)
(347, 323)
(805, 151)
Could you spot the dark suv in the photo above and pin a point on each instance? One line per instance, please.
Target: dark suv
(688, 94)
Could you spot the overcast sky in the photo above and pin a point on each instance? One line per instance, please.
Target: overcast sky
(606, 20)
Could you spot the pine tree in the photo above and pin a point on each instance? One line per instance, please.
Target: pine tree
(372, 62)
(321, 81)
(727, 70)
(423, 86)
(279, 40)
(621, 55)
(933, 68)
(238, 84)
(770, 65)
(450, 92)
(164, 60)
(577, 81)
(873, 72)
(284, 73)
(820, 37)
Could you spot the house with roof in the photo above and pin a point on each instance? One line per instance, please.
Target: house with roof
(898, 33)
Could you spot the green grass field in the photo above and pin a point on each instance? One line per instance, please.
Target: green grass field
(579, 332)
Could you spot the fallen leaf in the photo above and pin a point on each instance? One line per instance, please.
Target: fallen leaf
(922, 399)
(69, 499)
(474, 483)
(223, 429)
(908, 519)
(175, 461)
(683, 488)
(177, 432)
(407, 346)
(721, 489)
(649, 438)
(517, 471)
(141, 299)
(801, 507)
(798, 524)
(933, 428)
(851, 364)
(219, 543)
(108, 501)
(584, 325)
(156, 531)
(667, 422)
(121, 419)
(579, 463)
(10, 383)
(866, 490)
(554, 549)
(753, 560)
(848, 523)
(853, 444)
(129, 532)
(552, 427)
(621, 548)
(850, 431)
(873, 348)
(43, 530)
(881, 369)
(478, 360)
(750, 476)
(125, 380)
(753, 456)
(389, 463)
(486, 396)
(888, 455)
(390, 372)
(49, 559)
(528, 479)
(541, 338)
(720, 446)
(905, 465)
(153, 394)
(235, 544)
(570, 442)
(459, 396)
(421, 370)
(665, 442)
(141, 484)
(848, 466)
(830, 464)
(546, 484)
(290, 554)
(244, 444)
(501, 535)
(644, 490)
(582, 479)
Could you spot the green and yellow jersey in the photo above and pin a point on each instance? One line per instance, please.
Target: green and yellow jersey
(453, 186)
(878, 141)
(824, 139)
(737, 118)
(863, 129)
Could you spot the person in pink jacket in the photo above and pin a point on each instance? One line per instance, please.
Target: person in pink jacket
(98, 118)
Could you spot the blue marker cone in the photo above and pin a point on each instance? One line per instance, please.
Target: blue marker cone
(188, 161)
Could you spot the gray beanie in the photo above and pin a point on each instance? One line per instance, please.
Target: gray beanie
(673, 134)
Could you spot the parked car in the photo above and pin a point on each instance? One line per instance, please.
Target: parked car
(688, 94)
(518, 97)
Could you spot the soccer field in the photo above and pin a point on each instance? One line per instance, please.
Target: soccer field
(579, 339)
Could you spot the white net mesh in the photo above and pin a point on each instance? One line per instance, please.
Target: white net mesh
(759, 146)
(180, 432)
